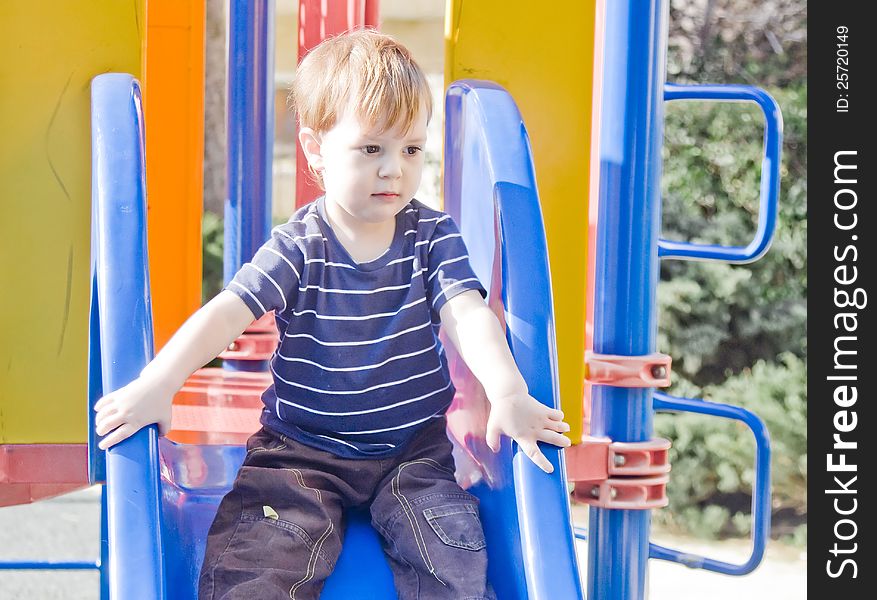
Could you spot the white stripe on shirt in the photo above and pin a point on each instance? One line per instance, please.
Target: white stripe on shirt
(291, 266)
(406, 425)
(400, 260)
(450, 287)
(447, 262)
(357, 318)
(445, 237)
(351, 369)
(360, 343)
(299, 237)
(363, 412)
(269, 278)
(351, 445)
(250, 294)
(374, 291)
(436, 219)
(328, 264)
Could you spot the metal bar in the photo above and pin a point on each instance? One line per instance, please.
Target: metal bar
(104, 547)
(770, 174)
(250, 139)
(49, 565)
(760, 487)
(627, 268)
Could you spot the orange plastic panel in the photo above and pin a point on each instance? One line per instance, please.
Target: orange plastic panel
(173, 93)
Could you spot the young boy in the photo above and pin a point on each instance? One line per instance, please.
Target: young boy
(359, 281)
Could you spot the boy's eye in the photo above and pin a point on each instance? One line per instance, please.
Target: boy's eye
(371, 149)
(412, 150)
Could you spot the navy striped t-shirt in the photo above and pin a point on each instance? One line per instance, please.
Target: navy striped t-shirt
(359, 369)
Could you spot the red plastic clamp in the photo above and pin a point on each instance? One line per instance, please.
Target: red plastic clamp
(629, 475)
(635, 493)
(650, 370)
(639, 459)
(589, 460)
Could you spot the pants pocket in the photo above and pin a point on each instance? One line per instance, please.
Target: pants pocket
(457, 525)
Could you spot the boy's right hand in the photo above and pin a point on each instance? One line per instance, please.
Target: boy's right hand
(122, 413)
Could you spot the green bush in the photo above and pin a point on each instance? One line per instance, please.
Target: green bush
(212, 243)
(211, 246)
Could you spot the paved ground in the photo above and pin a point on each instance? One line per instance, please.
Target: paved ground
(64, 528)
(67, 528)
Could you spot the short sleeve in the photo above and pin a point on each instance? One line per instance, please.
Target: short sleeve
(270, 280)
(448, 270)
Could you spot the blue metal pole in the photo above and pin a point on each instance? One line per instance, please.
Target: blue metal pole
(104, 560)
(627, 268)
(49, 565)
(250, 138)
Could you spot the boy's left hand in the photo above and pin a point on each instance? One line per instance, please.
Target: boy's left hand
(527, 421)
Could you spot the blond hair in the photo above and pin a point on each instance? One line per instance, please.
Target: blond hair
(363, 69)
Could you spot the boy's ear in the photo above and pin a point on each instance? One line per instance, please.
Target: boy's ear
(311, 145)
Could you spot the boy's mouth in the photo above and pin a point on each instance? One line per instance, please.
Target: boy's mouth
(386, 194)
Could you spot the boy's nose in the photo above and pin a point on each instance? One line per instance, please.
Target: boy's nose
(391, 168)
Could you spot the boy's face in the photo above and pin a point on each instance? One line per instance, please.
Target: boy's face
(371, 175)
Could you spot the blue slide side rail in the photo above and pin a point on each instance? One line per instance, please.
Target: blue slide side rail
(121, 343)
(490, 180)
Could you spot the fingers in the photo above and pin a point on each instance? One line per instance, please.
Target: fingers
(113, 422)
(558, 426)
(119, 434)
(106, 410)
(555, 414)
(106, 422)
(492, 436)
(554, 438)
(103, 402)
(532, 450)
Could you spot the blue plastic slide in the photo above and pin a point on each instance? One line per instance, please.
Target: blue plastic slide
(162, 496)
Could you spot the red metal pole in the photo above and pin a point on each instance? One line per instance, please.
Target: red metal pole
(317, 20)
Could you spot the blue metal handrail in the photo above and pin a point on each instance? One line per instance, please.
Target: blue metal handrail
(123, 337)
(760, 488)
(770, 174)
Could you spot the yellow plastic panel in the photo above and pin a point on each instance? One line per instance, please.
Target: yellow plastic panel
(49, 52)
(173, 96)
(543, 54)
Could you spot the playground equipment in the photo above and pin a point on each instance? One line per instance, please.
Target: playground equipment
(52, 51)
(170, 487)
